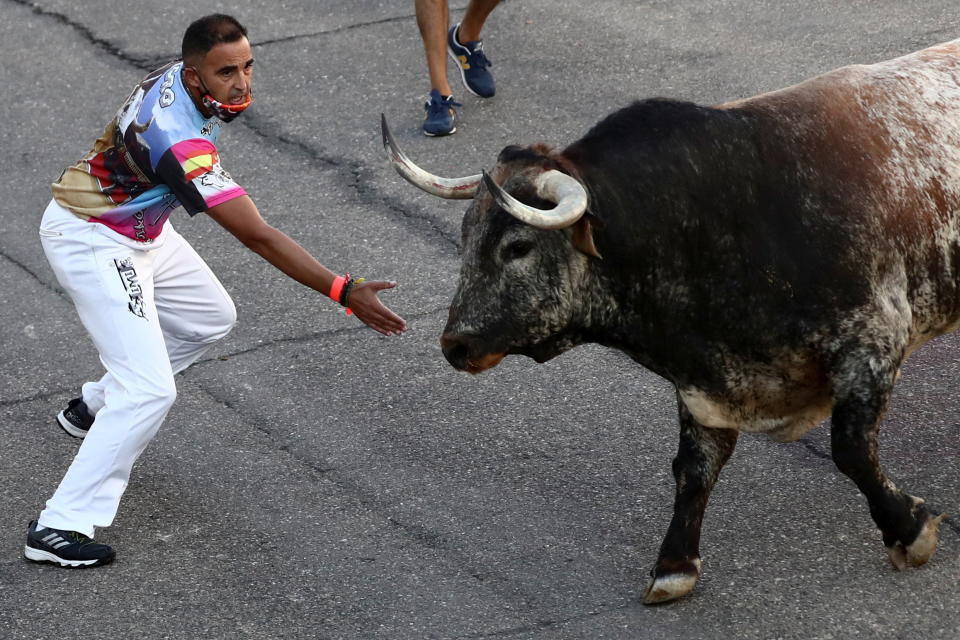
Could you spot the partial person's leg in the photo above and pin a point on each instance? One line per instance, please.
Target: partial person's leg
(433, 17)
(475, 18)
(193, 307)
(111, 286)
(93, 393)
(466, 49)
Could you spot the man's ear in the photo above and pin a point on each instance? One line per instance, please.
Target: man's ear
(582, 237)
(190, 77)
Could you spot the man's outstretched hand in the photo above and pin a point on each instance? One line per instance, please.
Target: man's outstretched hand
(365, 304)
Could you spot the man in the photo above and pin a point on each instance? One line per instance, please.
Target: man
(462, 42)
(148, 301)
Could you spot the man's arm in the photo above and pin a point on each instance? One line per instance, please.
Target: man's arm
(240, 217)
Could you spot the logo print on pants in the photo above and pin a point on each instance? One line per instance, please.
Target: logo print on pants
(132, 284)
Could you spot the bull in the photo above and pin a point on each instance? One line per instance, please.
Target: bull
(776, 258)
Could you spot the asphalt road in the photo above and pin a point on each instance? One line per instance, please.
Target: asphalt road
(316, 480)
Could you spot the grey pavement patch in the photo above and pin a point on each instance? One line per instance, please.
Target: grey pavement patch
(85, 31)
(354, 174)
(30, 272)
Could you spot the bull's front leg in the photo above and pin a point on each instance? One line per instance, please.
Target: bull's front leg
(702, 453)
(862, 389)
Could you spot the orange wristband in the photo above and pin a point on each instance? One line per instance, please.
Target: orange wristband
(336, 288)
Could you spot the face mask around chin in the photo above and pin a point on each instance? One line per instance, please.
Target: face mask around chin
(225, 112)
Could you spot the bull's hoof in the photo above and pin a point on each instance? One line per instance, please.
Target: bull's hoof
(664, 587)
(921, 549)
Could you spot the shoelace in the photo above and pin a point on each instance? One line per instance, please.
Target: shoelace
(478, 58)
(440, 106)
(78, 537)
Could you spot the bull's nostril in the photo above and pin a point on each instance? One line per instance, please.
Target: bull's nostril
(455, 351)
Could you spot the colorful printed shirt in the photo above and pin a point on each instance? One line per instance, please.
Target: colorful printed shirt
(158, 153)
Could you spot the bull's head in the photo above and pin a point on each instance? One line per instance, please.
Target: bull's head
(526, 245)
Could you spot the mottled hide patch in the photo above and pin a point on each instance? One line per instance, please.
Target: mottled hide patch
(781, 421)
(884, 139)
(784, 398)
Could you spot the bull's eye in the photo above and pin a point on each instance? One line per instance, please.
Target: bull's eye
(516, 250)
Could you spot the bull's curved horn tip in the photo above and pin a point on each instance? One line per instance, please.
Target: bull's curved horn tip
(500, 196)
(385, 130)
(492, 186)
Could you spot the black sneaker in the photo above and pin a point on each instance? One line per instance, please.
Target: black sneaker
(66, 548)
(75, 419)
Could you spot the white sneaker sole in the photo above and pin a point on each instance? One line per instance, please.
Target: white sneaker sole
(433, 135)
(38, 555)
(68, 427)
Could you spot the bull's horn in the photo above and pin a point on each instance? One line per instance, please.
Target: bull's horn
(451, 188)
(553, 186)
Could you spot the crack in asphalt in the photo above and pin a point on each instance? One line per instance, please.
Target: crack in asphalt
(272, 437)
(308, 338)
(345, 28)
(544, 625)
(34, 398)
(355, 175)
(83, 30)
(383, 508)
(30, 272)
(316, 335)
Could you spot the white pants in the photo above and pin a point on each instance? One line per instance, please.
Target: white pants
(151, 311)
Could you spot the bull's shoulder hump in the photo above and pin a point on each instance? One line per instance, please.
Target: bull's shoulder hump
(830, 82)
(937, 63)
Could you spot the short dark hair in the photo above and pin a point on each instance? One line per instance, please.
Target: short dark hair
(207, 32)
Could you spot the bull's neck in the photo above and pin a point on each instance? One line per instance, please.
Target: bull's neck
(628, 305)
(612, 299)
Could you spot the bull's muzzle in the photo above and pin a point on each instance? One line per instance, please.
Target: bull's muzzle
(464, 353)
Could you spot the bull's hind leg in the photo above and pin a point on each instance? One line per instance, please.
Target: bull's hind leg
(862, 388)
(701, 455)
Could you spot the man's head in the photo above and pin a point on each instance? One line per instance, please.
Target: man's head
(218, 65)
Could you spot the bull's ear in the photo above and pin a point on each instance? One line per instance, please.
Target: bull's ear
(582, 237)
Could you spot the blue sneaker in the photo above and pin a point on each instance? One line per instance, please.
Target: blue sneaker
(441, 115)
(472, 63)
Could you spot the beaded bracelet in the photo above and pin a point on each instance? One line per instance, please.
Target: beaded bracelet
(344, 296)
(346, 291)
